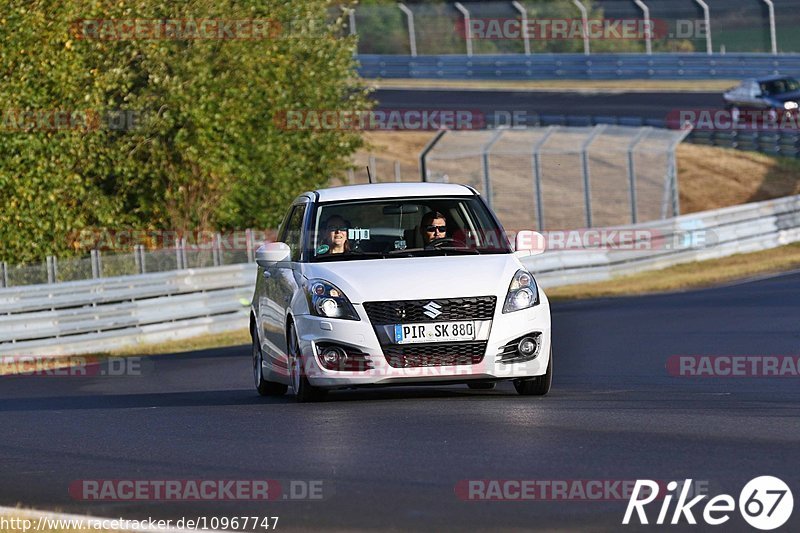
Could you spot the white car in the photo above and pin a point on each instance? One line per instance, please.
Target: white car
(415, 283)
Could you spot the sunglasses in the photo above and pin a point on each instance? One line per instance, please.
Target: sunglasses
(338, 228)
(440, 229)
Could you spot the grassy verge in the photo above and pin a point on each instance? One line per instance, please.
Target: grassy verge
(203, 342)
(561, 85)
(688, 276)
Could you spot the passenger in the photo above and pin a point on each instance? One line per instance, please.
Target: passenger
(433, 227)
(335, 239)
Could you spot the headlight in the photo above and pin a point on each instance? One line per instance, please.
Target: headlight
(326, 300)
(790, 105)
(522, 293)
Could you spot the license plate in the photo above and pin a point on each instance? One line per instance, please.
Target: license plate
(434, 332)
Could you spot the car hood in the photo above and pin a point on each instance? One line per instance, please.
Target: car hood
(416, 278)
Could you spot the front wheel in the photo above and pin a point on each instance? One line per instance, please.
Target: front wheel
(264, 387)
(537, 385)
(304, 391)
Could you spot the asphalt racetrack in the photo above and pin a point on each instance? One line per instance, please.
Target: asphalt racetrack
(649, 105)
(392, 458)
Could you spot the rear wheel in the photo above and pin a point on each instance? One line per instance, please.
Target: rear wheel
(537, 385)
(304, 391)
(264, 387)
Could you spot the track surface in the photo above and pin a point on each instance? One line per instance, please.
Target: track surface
(390, 458)
(651, 105)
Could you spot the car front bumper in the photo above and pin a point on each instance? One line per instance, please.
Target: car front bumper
(361, 336)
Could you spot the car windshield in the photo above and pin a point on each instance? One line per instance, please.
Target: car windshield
(409, 227)
(785, 85)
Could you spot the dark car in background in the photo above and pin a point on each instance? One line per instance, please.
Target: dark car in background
(768, 98)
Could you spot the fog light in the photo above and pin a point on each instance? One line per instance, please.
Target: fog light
(333, 357)
(527, 346)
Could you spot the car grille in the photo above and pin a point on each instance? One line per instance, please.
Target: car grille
(440, 354)
(409, 311)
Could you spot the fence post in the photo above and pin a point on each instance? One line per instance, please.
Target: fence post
(772, 35)
(351, 176)
(95, 265)
(4, 277)
(412, 35)
(372, 171)
(467, 26)
(178, 254)
(487, 179)
(397, 176)
(51, 269)
(585, 22)
(648, 32)
(707, 19)
(526, 38)
(137, 259)
(248, 233)
(423, 165)
(216, 250)
(632, 172)
(587, 191)
(537, 175)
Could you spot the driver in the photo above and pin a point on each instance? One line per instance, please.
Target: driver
(433, 227)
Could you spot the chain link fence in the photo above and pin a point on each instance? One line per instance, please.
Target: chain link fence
(677, 26)
(564, 178)
(228, 249)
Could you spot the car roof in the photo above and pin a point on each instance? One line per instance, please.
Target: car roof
(392, 190)
(772, 78)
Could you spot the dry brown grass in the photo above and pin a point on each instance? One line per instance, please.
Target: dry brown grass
(711, 177)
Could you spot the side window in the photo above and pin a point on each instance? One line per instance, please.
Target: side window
(294, 231)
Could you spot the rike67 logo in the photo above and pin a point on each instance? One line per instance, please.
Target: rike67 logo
(765, 503)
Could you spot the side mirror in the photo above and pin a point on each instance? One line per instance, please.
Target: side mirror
(528, 243)
(272, 252)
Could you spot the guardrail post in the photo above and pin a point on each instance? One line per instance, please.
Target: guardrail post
(412, 35)
(648, 31)
(248, 234)
(4, 272)
(585, 21)
(467, 26)
(351, 176)
(526, 38)
(137, 258)
(423, 164)
(51, 269)
(371, 164)
(397, 176)
(178, 254)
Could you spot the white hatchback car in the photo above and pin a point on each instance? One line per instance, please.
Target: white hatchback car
(388, 284)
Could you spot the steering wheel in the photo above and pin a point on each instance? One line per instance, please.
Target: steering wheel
(445, 241)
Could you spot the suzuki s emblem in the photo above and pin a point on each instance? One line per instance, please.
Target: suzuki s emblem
(432, 309)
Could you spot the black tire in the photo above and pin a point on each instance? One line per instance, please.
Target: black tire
(537, 385)
(304, 391)
(480, 386)
(264, 387)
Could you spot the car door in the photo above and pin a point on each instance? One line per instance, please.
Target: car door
(279, 285)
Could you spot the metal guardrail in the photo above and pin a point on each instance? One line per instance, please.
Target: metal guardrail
(100, 315)
(578, 66)
(112, 313)
(726, 231)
